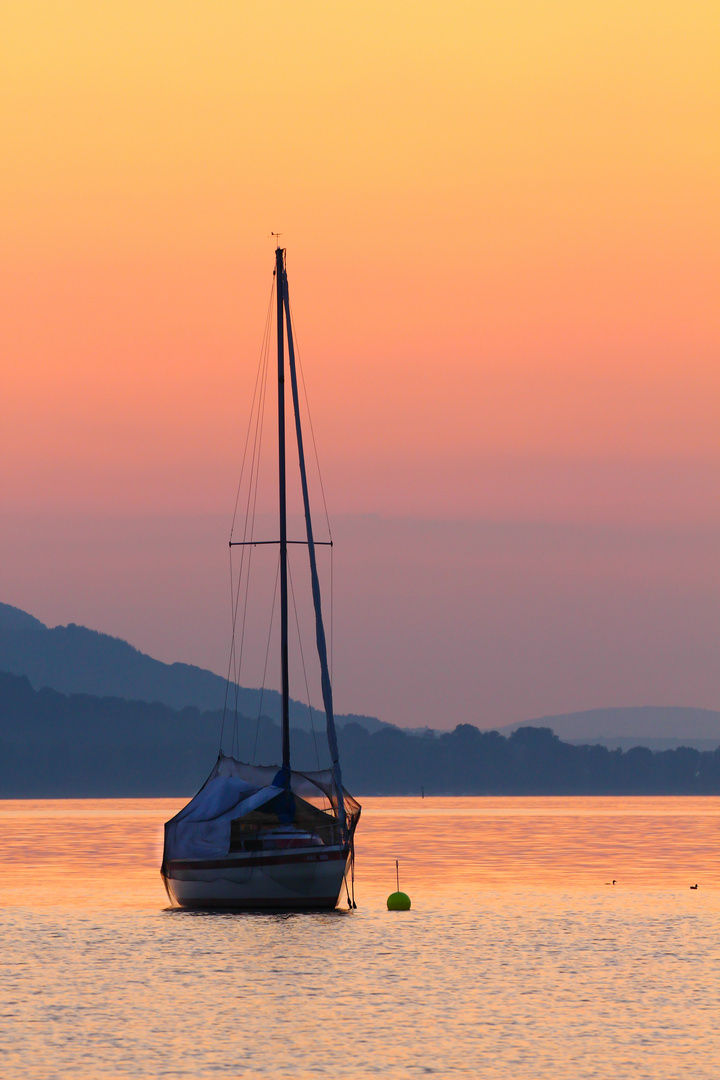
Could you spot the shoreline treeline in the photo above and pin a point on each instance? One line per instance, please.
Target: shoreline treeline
(55, 745)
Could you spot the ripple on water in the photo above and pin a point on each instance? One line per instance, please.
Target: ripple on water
(515, 960)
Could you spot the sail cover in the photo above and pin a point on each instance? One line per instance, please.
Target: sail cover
(235, 793)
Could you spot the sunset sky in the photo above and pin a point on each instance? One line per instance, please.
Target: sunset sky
(503, 245)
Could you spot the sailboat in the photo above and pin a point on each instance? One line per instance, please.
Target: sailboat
(270, 837)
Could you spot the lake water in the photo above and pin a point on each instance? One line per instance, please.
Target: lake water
(516, 960)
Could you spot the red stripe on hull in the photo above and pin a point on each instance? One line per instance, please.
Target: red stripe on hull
(267, 860)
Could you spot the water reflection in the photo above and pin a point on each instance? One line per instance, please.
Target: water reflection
(551, 842)
(108, 851)
(516, 959)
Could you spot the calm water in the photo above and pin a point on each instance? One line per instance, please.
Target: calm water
(517, 960)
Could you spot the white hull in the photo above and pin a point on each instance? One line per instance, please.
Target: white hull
(309, 878)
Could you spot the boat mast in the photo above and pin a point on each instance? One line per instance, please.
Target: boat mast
(279, 279)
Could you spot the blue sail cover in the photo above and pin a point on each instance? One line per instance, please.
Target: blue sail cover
(202, 829)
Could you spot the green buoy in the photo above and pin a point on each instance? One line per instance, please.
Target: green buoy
(398, 901)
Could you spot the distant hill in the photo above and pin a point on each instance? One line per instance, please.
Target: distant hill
(655, 726)
(76, 660)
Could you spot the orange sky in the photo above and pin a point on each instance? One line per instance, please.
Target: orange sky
(502, 229)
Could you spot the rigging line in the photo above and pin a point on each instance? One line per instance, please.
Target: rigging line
(259, 397)
(250, 515)
(263, 351)
(264, 543)
(267, 654)
(233, 657)
(260, 381)
(332, 611)
(352, 868)
(251, 504)
(255, 460)
(309, 414)
(234, 600)
(252, 522)
(347, 889)
(302, 658)
(322, 487)
(320, 637)
(230, 658)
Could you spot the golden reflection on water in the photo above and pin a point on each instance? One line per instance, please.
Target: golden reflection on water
(108, 851)
(516, 959)
(655, 843)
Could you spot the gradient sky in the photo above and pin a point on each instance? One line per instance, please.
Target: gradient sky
(503, 232)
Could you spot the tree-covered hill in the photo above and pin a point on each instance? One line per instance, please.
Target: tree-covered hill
(55, 745)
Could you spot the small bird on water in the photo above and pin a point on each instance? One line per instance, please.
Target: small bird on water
(610, 882)
(693, 886)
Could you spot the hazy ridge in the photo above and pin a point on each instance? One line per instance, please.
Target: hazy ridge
(659, 727)
(76, 660)
(86, 714)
